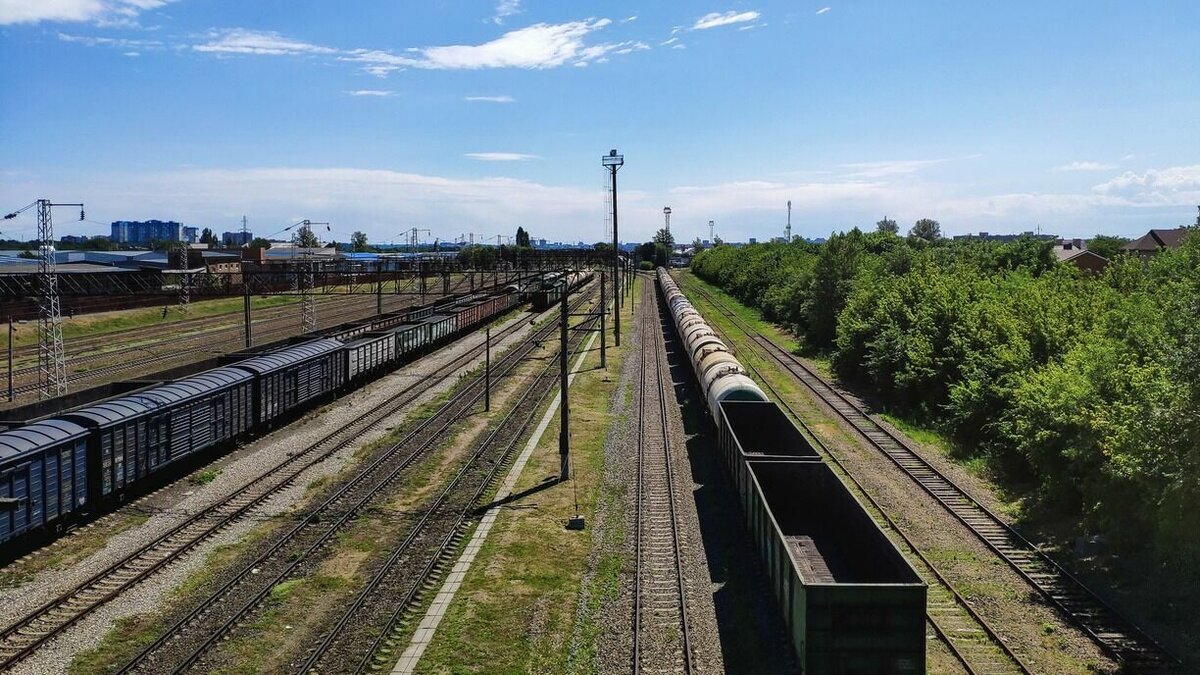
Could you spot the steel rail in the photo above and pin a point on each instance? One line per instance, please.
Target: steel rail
(464, 398)
(501, 432)
(651, 341)
(27, 634)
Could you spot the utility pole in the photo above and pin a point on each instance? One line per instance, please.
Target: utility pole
(52, 361)
(247, 329)
(564, 437)
(11, 330)
(614, 162)
(487, 369)
(603, 311)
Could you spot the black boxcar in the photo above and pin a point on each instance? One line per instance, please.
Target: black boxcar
(288, 379)
(370, 354)
(43, 476)
(758, 430)
(850, 601)
(137, 435)
(441, 326)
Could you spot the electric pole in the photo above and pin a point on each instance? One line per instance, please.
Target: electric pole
(613, 162)
(52, 360)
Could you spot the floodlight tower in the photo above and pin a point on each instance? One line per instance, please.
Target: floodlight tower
(667, 218)
(52, 360)
(711, 239)
(612, 161)
(787, 233)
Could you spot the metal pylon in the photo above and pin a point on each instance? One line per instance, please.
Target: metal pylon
(52, 361)
(308, 304)
(184, 280)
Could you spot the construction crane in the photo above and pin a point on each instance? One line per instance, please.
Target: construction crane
(414, 240)
(52, 359)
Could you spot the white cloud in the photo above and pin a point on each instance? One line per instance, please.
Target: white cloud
(1085, 166)
(629, 19)
(490, 99)
(500, 156)
(117, 43)
(823, 10)
(1176, 185)
(535, 47)
(268, 43)
(670, 41)
(131, 54)
(505, 9)
(715, 19)
(112, 12)
(371, 92)
(679, 46)
(888, 168)
(372, 200)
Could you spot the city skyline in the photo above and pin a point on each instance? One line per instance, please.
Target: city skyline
(484, 116)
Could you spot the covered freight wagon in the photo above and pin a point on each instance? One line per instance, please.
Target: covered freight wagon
(851, 603)
(288, 379)
(43, 475)
(372, 353)
(138, 434)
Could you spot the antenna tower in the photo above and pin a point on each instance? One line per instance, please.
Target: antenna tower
(711, 239)
(787, 234)
(667, 217)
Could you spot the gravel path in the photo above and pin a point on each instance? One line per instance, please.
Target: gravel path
(174, 503)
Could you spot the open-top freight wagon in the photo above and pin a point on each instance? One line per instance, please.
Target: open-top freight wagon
(850, 601)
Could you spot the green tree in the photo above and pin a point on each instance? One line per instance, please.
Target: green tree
(1106, 246)
(887, 226)
(697, 245)
(663, 236)
(522, 240)
(305, 237)
(832, 281)
(259, 242)
(358, 241)
(207, 236)
(927, 229)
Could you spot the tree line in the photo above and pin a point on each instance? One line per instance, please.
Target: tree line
(1080, 393)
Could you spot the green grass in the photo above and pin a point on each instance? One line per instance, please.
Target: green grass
(204, 477)
(69, 550)
(129, 636)
(516, 610)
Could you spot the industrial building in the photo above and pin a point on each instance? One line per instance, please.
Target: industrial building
(146, 231)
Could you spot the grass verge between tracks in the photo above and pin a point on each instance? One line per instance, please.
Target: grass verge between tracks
(516, 609)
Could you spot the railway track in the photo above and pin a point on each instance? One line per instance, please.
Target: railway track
(193, 640)
(375, 618)
(25, 636)
(661, 638)
(1116, 635)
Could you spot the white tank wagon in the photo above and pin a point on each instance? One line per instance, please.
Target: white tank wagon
(721, 376)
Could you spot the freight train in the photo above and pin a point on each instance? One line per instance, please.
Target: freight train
(549, 291)
(84, 460)
(849, 600)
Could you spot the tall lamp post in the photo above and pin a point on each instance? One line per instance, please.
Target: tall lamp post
(612, 161)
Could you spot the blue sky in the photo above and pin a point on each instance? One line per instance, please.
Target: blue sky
(1078, 117)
